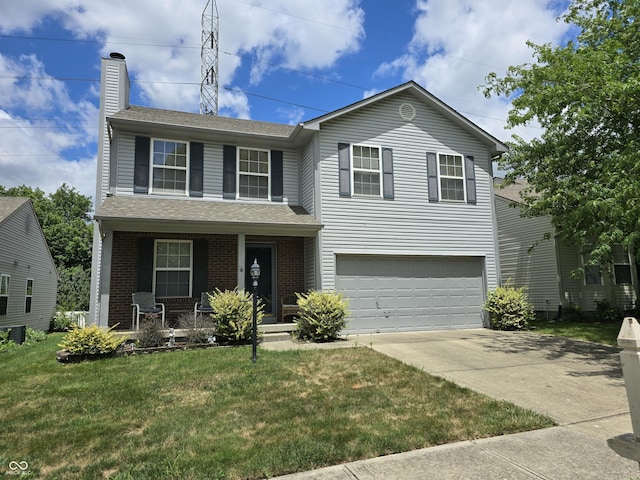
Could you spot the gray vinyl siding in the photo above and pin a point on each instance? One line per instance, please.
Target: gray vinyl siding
(537, 270)
(307, 178)
(24, 254)
(309, 263)
(212, 175)
(408, 224)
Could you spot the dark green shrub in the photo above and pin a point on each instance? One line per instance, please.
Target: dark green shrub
(150, 334)
(199, 330)
(91, 340)
(322, 316)
(233, 315)
(509, 308)
(606, 313)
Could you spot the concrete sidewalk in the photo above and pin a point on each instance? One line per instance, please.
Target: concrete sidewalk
(578, 384)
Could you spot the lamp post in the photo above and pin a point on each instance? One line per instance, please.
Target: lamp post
(255, 274)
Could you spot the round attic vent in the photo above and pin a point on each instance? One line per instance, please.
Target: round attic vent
(407, 112)
(116, 55)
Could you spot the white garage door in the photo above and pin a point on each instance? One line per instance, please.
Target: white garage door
(392, 294)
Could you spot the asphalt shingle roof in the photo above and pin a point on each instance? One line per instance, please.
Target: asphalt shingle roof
(510, 192)
(203, 211)
(8, 205)
(208, 122)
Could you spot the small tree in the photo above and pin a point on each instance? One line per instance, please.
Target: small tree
(509, 308)
(322, 316)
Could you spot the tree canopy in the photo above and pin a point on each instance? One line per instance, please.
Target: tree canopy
(584, 169)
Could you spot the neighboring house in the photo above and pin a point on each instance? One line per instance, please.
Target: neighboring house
(28, 277)
(388, 200)
(549, 269)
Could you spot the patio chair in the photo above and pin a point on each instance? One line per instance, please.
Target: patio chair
(144, 303)
(202, 306)
(289, 306)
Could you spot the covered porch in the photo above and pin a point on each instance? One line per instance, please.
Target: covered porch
(178, 249)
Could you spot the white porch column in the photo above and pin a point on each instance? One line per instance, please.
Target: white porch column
(105, 278)
(241, 260)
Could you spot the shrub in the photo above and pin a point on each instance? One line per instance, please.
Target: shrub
(91, 340)
(322, 316)
(200, 330)
(61, 322)
(150, 334)
(5, 343)
(233, 315)
(509, 308)
(34, 336)
(606, 313)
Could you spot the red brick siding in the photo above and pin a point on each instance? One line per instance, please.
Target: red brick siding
(221, 270)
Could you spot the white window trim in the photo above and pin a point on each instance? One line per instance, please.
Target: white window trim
(6, 294)
(239, 174)
(584, 263)
(165, 191)
(463, 178)
(155, 258)
(367, 170)
(627, 263)
(27, 295)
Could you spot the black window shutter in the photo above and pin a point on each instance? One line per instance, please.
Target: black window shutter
(387, 173)
(344, 165)
(141, 165)
(432, 175)
(470, 173)
(196, 171)
(145, 264)
(276, 176)
(229, 171)
(200, 270)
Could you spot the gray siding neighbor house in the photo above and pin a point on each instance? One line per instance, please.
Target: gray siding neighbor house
(547, 270)
(388, 200)
(28, 277)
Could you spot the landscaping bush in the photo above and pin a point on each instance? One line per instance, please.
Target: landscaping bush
(322, 316)
(150, 334)
(91, 340)
(509, 308)
(34, 336)
(233, 315)
(5, 343)
(200, 330)
(61, 322)
(606, 313)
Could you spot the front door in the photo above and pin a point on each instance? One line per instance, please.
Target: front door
(264, 255)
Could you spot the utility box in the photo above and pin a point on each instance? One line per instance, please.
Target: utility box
(17, 333)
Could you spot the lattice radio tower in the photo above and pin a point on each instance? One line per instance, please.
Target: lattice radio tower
(209, 60)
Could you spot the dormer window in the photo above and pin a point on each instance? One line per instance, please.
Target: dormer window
(169, 167)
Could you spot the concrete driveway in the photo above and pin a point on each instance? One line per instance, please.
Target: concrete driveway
(578, 384)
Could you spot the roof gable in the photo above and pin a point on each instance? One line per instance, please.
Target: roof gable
(10, 205)
(411, 87)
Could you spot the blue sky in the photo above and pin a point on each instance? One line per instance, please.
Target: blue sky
(283, 61)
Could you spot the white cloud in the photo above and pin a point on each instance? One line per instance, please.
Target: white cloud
(456, 43)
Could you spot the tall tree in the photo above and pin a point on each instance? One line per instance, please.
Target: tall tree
(584, 170)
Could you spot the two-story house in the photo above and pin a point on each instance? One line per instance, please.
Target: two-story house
(388, 200)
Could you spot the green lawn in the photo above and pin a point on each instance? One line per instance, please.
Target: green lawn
(606, 333)
(213, 414)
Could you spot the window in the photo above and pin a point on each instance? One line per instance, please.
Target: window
(28, 296)
(172, 270)
(621, 265)
(451, 177)
(253, 173)
(169, 169)
(4, 293)
(366, 170)
(592, 273)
